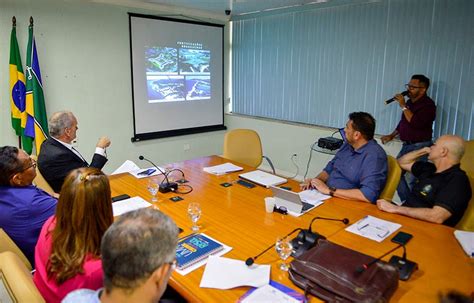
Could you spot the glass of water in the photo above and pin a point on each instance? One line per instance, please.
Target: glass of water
(153, 189)
(194, 213)
(284, 249)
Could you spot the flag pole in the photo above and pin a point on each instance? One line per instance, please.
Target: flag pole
(14, 25)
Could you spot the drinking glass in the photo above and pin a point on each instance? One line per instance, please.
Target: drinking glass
(194, 213)
(153, 189)
(284, 249)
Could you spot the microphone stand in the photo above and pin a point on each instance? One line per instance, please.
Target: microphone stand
(251, 260)
(405, 267)
(307, 239)
(164, 187)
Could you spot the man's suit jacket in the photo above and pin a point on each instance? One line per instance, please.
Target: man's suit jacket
(55, 161)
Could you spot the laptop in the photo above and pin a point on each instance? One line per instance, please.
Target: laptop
(290, 200)
(263, 178)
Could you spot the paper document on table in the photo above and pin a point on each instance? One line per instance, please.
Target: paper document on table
(268, 293)
(466, 239)
(146, 172)
(313, 196)
(127, 205)
(222, 169)
(373, 228)
(126, 167)
(225, 273)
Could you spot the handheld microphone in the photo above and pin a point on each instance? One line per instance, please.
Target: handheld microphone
(251, 260)
(307, 239)
(405, 93)
(164, 186)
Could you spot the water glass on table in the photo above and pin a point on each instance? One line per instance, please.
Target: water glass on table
(194, 213)
(284, 249)
(153, 187)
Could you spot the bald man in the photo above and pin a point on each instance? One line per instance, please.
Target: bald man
(58, 157)
(443, 191)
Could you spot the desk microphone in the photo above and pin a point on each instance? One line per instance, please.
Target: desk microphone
(164, 186)
(307, 239)
(251, 260)
(405, 93)
(404, 266)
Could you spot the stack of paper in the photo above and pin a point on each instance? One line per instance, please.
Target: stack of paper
(313, 196)
(225, 273)
(126, 167)
(373, 228)
(466, 239)
(222, 169)
(127, 205)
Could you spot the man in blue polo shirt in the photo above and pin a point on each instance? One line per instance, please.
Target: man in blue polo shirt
(23, 207)
(358, 171)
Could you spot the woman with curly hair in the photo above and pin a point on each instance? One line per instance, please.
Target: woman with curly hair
(67, 254)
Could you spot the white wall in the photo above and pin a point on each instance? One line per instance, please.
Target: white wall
(84, 56)
(281, 140)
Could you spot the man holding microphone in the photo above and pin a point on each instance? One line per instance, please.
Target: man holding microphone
(415, 128)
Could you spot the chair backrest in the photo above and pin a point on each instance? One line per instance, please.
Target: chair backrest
(7, 244)
(393, 178)
(467, 221)
(467, 164)
(244, 146)
(41, 182)
(16, 283)
(467, 161)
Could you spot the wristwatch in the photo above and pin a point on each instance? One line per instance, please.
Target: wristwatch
(331, 191)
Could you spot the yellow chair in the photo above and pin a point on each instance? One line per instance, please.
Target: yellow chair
(467, 164)
(7, 244)
(244, 146)
(16, 281)
(40, 181)
(467, 161)
(393, 178)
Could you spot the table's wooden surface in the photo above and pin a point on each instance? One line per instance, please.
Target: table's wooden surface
(236, 216)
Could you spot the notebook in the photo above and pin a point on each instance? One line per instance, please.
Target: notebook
(195, 248)
(263, 178)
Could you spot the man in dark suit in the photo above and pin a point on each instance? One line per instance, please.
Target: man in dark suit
(58, 157)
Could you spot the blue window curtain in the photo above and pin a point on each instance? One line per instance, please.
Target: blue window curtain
(315, 66)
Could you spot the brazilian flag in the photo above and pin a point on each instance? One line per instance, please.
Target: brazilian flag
(17, 84)
(36, 126)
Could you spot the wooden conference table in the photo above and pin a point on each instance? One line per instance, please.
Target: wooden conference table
(236, 216)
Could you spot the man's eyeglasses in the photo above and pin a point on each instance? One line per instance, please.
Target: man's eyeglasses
(408, 86)
(32, 164)
(173, 264)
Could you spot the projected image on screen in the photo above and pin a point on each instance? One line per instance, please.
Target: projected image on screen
(177, 71)
(165, 88)
(161, 60)
(198, 87)
(194, 61)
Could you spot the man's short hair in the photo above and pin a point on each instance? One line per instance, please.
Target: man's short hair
(363, 123)
(9, 164)
(135, 245)
(425, 81)
(59, 121)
